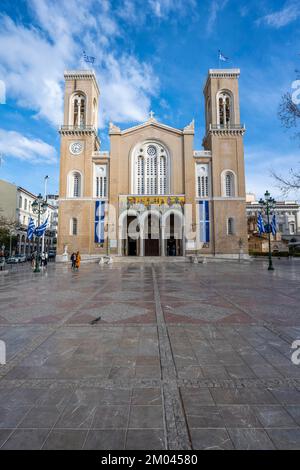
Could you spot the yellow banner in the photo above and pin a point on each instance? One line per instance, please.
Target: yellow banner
(158, 200)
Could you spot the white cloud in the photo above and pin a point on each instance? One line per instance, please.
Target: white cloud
(15, 145)
(260, 162)
(163, 8)
(33, 60)
(216, 6)
(289, 13)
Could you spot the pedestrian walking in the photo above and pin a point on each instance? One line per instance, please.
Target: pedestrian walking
(43, 259)
(78, 259)
(73, 260)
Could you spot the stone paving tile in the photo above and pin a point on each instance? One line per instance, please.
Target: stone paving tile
(10, 417)
(26, 439)
(111, 417)
(211, 439)
(274, 416)
(294, 411)
(40, 417)
(249, 396)
(250, 439)
(142, 416)
(145, 439)
(4, 435)
(76, 417)
(205, 417)
(146, 396)
(285, 439)
(239, 416)
(65, 440)
(107, 439)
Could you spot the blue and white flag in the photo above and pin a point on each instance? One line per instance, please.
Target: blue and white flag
(223, 57)
(99, 221)
(204, 221)
(274, 225)
(88, 59)
(39, 231)
(260, 224)
(30, 229)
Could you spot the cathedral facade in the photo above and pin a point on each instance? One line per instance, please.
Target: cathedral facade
(152, 193)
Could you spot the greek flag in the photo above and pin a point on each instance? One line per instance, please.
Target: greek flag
(260, 224)
(204, 221)
(88, 59)
(223, 57)
(99, 221)
(30, 229)
(274, 225)
(39, 231)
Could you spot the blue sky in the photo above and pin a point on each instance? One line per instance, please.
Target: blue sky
(150, 54)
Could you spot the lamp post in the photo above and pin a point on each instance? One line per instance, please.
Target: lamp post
(39, 207)
(268, 204)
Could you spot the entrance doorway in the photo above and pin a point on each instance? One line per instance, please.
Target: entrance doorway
(152, 234)
(173, 235)
(132, 243)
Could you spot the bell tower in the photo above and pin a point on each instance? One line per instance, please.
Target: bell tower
(224, 138)
(79, 140)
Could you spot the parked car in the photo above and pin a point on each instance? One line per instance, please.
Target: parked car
(21, 258)
(12, 260)
(51, 254)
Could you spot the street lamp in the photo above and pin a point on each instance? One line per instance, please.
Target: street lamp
(39, 207)
(268, 204)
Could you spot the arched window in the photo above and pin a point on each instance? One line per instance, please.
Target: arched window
(74, 226)
(202, 182)
(150, 170)
(229, 184)
(101, 181)
(75, 189)
(79, 110)
(225, 109)
(95, 114)
(292, 228)
(230, 226)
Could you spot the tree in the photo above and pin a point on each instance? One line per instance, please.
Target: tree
(289, 115)
(8, 231)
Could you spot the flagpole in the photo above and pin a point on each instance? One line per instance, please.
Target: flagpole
(45, 197)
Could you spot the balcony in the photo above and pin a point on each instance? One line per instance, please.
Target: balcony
(77, 130)
(229, 126)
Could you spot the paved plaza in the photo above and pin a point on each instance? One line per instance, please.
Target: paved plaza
(183, 356)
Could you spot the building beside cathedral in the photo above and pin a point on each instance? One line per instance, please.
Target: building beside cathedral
(152, 193)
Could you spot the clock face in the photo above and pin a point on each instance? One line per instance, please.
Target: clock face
(76, 148)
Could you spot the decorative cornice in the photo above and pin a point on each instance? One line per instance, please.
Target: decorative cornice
(101, 154)
(78, 131)
(152, 123)
(233, 130)
(202, 154)
(82, 75)
(224, 73)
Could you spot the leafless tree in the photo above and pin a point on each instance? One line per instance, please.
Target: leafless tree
(289, 115)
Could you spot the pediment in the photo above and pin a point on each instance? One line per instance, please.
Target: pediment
(151, 123)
